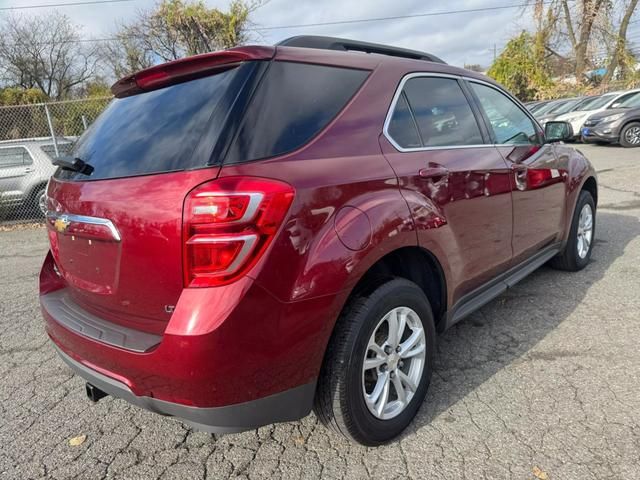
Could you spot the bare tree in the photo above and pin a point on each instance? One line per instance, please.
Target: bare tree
(619, 52)
(44, 52)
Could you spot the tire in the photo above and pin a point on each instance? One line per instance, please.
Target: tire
(575, 257)
(630, 135)
(340, 396)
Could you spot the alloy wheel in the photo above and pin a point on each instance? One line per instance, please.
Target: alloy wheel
(585, 230)
(394, 363)
(632, 136)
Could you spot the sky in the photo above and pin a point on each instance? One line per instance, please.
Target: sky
(462, 38)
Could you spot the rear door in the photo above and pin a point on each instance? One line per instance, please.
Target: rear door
(538, 182)
(456, 185)
(116, 230)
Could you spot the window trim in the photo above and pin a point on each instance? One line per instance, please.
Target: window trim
(476, 108)
(398, 93)
(539, 130)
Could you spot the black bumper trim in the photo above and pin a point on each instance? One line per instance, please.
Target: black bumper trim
(285, 406)
(67, 313)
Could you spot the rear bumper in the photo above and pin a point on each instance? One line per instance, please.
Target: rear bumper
(281, 407)
(225, 352)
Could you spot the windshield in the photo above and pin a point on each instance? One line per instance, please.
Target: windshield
(565, 107)
(155, 131)
(596, 103)
(546, 108)
(630, 102)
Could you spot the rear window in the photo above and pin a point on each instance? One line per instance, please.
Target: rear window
(151, 132)
(292, 104)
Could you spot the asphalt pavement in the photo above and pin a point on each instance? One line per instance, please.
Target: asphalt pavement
(542, 383)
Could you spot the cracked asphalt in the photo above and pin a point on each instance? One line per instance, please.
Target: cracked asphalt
(542, 383)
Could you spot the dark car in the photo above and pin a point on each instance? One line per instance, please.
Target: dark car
(244, 235)
(616, 125)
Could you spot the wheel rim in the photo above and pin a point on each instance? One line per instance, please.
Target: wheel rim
(393, 363)
(42, 202)
(633, 135)
(585, 230)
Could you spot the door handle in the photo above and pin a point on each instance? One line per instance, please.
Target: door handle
(434, 173)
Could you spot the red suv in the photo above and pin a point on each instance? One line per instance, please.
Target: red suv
(243, 236)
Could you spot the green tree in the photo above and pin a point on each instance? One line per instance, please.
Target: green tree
(21, 96)
(521, 67)
(175, 29)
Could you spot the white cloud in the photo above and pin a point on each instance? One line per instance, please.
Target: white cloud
(458, 38)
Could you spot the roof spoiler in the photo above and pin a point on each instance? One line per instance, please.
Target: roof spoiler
(187, 68)
(345, 45)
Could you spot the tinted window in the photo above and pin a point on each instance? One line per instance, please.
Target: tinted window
(151, 132)
(292, 104)
(509, 122)
(402, 128)
(442, 112)
(14, 157)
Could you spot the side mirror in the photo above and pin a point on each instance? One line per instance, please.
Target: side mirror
(558, 131)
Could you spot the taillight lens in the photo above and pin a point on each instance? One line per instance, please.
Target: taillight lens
(228, 224)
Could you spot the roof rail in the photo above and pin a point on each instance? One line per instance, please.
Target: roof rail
(343, 44)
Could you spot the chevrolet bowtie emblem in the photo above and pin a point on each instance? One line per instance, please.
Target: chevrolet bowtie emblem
(61, 223)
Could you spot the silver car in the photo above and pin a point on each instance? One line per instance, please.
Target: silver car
(25, 168)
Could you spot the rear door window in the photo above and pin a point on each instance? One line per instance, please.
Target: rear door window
(152, 132)
(293, 103)
(442, 113)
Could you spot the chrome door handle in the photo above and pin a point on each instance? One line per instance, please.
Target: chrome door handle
(435, 173)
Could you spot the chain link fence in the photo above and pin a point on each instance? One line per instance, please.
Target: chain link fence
(30, 137)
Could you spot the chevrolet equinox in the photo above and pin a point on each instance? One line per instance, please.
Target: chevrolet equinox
(245, 235)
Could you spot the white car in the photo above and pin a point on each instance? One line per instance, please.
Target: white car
(25, 168)
(578, 116)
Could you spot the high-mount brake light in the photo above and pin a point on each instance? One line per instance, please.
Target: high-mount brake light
(228, 224)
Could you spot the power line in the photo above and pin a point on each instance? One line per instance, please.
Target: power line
(302, 25)
(70, 4)
(398, 17)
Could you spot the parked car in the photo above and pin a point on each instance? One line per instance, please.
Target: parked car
(244, 235)
(25, 168)
(539, 105)
(560, 108)
(607, 101)
(615, 125)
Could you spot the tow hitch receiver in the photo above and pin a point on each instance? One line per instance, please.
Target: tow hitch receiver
(94, 393)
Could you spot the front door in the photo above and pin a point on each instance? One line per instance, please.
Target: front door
(457, 185)
(538, 183)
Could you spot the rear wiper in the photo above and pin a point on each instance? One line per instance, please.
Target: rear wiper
(73, 164)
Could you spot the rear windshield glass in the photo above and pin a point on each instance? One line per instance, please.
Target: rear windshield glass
(292, 104)
(151, 132)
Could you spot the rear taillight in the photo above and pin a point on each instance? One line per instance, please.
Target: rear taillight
(228, 224)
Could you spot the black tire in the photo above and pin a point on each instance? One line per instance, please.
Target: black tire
(569, 259)
(339, 401)
(628, 140)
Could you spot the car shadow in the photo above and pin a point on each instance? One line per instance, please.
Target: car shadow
(506, 329)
